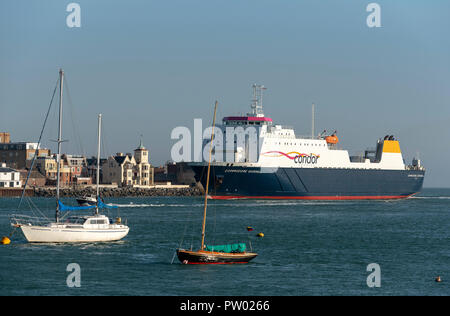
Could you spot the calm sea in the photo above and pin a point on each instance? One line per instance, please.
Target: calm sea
(309, 248)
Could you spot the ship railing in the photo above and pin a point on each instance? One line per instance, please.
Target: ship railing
(279, 127)
(287, 127)
(316, 137)
(293, 136)
(411, 167)
(279, 136)
(22, 220)
(308, 137)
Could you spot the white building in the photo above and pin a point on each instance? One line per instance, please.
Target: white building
(9, 178)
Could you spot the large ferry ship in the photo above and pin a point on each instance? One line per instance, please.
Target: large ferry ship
(284, 166)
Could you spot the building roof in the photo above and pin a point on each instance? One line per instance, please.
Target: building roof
(34, 174)
(20, 146)
(141, 146)
(120, 159)
(93, 161)
(3, 169)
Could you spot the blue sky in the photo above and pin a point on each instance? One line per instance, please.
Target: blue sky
(150, 66)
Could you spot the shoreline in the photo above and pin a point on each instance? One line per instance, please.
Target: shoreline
(104, 191)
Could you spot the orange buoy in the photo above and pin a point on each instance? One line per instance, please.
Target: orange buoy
(5, 241)
(260, 235)
(438, 279)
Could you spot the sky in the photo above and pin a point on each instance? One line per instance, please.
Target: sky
(150, 66)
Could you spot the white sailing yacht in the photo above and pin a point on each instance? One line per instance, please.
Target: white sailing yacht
(68, 229)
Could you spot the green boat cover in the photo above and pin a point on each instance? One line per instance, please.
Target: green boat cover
(231, 248)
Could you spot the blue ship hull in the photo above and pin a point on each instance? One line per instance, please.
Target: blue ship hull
(233, 182)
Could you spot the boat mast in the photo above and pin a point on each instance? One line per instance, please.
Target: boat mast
(312, 121)
(98, 159)
(207, 177)
(59, 141)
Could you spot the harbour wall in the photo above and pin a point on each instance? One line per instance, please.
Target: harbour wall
(106, 191)
(14, 192)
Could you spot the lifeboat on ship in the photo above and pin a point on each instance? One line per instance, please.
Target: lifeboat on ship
(332, 139)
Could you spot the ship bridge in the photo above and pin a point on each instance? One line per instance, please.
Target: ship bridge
(246, 120)
(256, 116)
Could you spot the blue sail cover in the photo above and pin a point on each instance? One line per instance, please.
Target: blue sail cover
(63, 207)
(103, 205)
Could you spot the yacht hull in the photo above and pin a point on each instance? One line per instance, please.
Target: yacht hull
(210, 257)
(44, 234)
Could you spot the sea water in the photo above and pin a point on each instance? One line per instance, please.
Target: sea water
(308, 248)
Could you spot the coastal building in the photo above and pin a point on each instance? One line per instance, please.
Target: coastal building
(143, 173)
(82, 181)
(175, 173)
(129, 170)
(77, 165)
(165, 174)
(9, 178)
(36, 179)
(4, 137)
(118, 170)
(19, 155)
(92, 168)
(48, 167)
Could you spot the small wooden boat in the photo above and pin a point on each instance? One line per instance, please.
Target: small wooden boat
(222, 254)
(211, 257)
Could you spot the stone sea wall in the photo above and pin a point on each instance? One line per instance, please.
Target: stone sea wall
(119, 192)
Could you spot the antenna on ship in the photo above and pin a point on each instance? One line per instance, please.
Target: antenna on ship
(312, 122)
(257, 107)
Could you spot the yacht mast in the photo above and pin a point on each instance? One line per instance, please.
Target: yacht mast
(59, 141)
(98, 159)
(207, 178)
